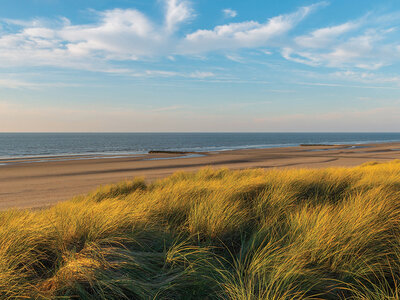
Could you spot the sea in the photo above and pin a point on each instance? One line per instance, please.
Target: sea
(31, 145)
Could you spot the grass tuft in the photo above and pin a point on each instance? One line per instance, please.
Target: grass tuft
(213, 234)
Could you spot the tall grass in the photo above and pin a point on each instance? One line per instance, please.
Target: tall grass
(213, 234)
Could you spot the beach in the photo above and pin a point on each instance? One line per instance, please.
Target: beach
(37, 183)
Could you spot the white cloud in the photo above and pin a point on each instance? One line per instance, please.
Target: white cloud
(248, 34)
(365, 51)
(366, 43)
(161, 73)
(121, 34)
(229, 13)
(178, 11)
(201, 75)
(267, 52)
(325, 37)
(235, 58)
(167, 74)
(329, 84)
(371, 66)
(372, 79)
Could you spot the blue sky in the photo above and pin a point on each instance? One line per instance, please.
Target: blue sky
(181, 65)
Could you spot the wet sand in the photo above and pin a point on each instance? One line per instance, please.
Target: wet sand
(34, 183)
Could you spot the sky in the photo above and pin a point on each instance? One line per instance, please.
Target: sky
(202, 66)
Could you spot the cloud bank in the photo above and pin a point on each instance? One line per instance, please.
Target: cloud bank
(129, 35)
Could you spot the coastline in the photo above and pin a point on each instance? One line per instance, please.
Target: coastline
(36, 183)
(6, 160)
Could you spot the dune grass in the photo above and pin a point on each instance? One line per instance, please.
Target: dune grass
(213, 234)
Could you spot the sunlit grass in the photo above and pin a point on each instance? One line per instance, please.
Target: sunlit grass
(215, 234)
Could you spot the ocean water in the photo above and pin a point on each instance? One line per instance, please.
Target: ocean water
(17, 145)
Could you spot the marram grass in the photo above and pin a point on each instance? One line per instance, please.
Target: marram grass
(214, 234)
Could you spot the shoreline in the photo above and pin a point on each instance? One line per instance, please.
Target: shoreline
(8, 160)
(36, 184)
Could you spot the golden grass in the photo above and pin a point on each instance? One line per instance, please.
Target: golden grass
(251, 234)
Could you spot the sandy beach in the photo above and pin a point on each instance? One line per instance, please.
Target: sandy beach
(35, 183)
